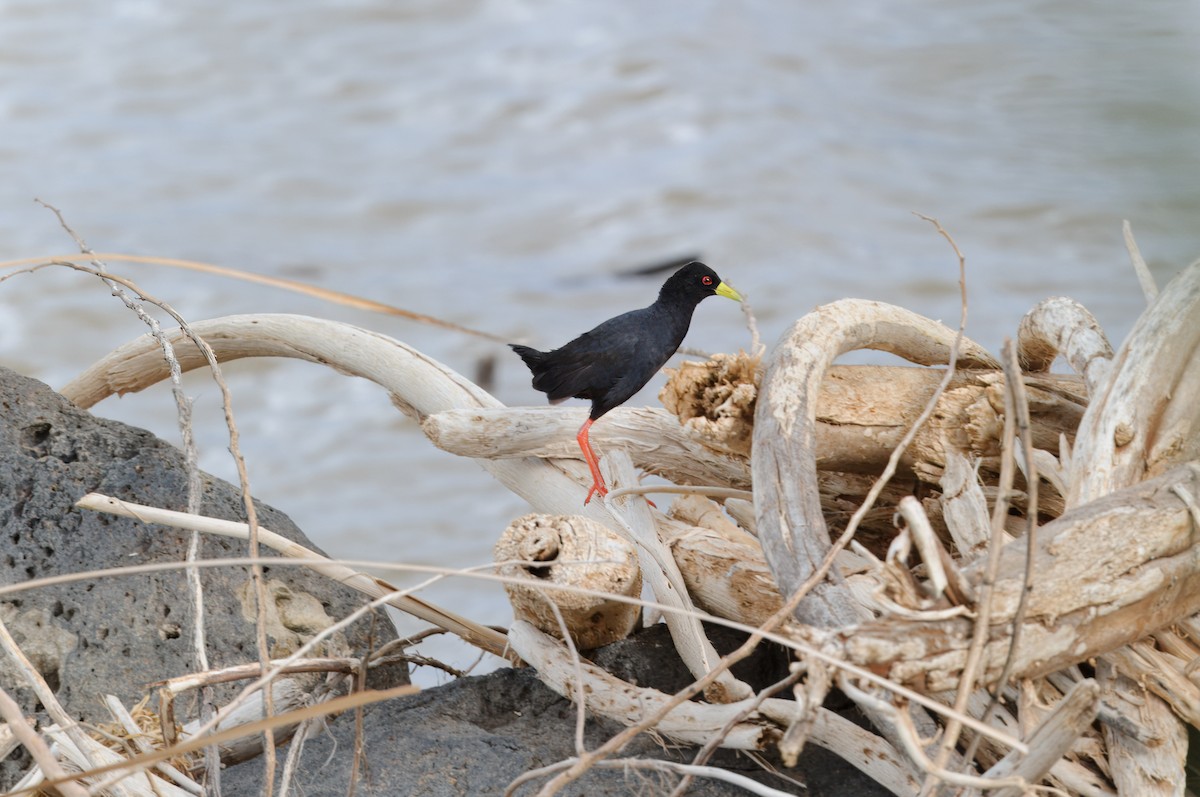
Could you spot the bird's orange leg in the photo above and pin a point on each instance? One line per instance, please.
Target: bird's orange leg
(589, 456)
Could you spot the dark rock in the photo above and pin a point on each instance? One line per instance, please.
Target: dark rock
(473, 737)
(116, 634)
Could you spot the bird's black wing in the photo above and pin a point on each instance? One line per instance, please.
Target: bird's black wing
(590, 365)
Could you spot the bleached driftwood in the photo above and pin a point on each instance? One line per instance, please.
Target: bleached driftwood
(1093, 592)
(654, 438)
(419, 386)
(1062, 326)
(1145, 419)
(1151, 759)
(964, 507)
(1052, 739)
(791, 527)
(862, 414)
(574, 552)
(698, 723)
(661, 572)
(722, 564)
(287, 694)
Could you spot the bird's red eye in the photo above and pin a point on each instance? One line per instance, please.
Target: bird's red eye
(706, 280)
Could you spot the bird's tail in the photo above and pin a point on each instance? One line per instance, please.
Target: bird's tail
(533, 358)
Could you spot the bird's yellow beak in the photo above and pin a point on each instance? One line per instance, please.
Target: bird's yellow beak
(729, 293)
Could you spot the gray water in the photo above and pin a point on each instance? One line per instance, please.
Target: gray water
(497, 163)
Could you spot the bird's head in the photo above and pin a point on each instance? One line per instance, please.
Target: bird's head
(697, 281)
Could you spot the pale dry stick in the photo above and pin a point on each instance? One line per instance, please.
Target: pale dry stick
(140, 762)
(653, 436)
(983, 607)
(324, 294)
(260, 590)
(694, 723)
(926, 542)
(752, 786)
(1142, 423)
(1020, 401)
(8, 742)
(912, 743)
(711, 746)
(155, 567)
(478, 635)
(45, 695)
(1053, 738)
(183, 409)
(580, 698)
(240, 672)
(135, 736)
(304, 731)
(295, 749)
(757, 347)
(68, 785)
(712, 491)
(661, 572)
(692, 770)
(1145, 278)
(1189, 501)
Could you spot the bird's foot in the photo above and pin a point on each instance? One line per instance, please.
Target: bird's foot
(597, 487)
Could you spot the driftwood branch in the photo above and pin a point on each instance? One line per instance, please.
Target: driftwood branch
(790, 523)
(862, 414)
(1052, 739)
(1146, 419)
(418, 385)
(1094, 592)
(479, 635)
(697, 723)
(1062, 326)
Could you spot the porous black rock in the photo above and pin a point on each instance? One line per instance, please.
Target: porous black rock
(117, 634)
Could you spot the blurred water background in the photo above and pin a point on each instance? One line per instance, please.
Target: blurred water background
(497, 163)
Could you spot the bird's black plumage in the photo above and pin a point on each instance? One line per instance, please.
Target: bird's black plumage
(612, 362)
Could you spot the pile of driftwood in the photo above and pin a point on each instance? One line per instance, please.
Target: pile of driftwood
(995, 562)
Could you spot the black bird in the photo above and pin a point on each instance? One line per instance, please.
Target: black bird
(616, 359)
